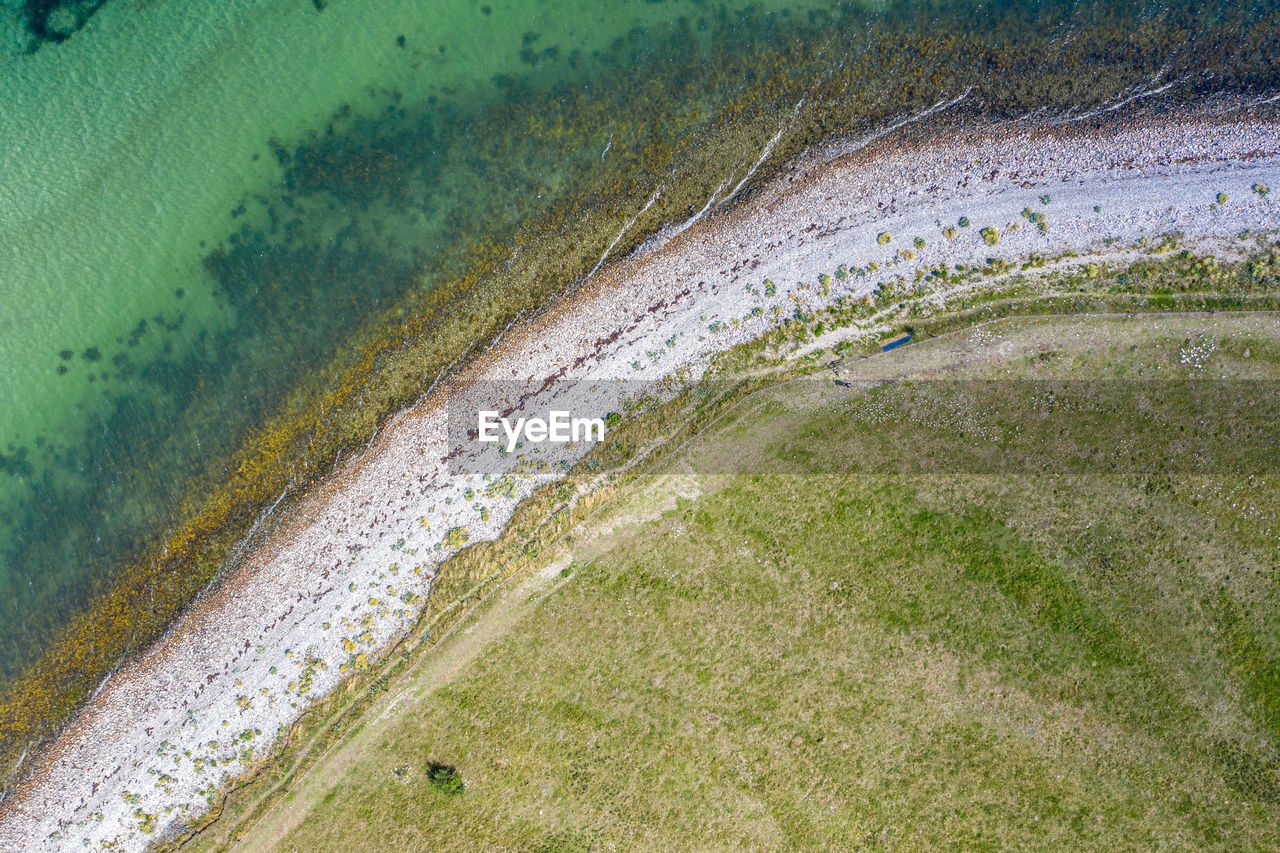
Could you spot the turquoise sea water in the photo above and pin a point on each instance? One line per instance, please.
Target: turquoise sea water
(153, 139)
(204, 206)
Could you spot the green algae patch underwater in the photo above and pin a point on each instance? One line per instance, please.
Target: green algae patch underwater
(403, 230)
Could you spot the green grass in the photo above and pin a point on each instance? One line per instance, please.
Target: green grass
(875, 626)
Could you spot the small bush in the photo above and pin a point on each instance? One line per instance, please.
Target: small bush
(445, 780)
(456, 537)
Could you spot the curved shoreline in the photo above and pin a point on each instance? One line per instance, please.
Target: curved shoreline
(262, 627)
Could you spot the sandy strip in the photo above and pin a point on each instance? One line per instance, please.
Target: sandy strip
(348, 573)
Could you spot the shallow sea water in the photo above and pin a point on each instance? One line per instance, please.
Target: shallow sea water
(207, 207)
(146, 142)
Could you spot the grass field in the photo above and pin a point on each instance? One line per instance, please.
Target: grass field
(1028, 613)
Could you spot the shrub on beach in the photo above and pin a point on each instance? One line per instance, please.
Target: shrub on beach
(456, 537)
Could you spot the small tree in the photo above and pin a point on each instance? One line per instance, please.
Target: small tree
(444, 779)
